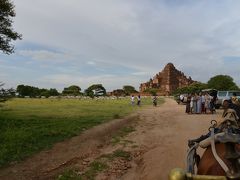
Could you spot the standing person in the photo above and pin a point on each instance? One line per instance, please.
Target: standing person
(138, 100)
(132, 99)
(181, 97)
(203, 103)
(199, 103)
(207, 102)
(194, 110)
(154, 99)
(188, 107)
(212, 102)
(191, 103)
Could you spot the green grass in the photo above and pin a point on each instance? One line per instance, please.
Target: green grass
(103, 163)
(94, 169)
(122, 133)
(69, 175)
(98, 165)
(119, 153)
(30, 125)
(122, 154)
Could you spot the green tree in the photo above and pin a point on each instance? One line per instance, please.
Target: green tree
(6, 94)
(47, 93)
(222, 82)
(119, 92)
(20, 90)
(44, 92)
(7, 34)
(25, 90)
(192, 88)
(89, 92)
(129, 89)
(73, 90)
(95, 90)
(53, 92)
(152, 91)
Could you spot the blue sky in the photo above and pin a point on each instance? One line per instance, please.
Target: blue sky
(119, 42)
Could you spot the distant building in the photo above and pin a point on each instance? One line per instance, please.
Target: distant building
(167, 81)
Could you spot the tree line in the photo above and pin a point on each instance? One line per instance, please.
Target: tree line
(218, 82)
(73, 90)
(94, 90)
(31, 91)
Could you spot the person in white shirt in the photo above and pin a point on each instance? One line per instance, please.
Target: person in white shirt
(132, 99)
(181, 97)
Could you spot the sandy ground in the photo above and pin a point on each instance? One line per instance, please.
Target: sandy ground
(158, 144)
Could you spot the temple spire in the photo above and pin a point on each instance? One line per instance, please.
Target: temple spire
(168, 80)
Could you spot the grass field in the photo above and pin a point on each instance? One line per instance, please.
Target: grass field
(30, 125)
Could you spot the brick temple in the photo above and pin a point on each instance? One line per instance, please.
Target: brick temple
(166, 81)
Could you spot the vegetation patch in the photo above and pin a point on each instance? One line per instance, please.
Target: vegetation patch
(31, 125)
(122, 133)
(122, 154)
(117, 154)
(69, 175)
(116, 116)
(124, 142)
(92, 170)
(95, 167)
(101, 164)
(134, 146)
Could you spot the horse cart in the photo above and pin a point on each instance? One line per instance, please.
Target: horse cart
(221, 159)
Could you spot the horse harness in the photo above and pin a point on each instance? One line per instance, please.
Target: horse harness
(227, 132)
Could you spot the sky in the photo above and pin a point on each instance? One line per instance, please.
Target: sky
(121, 42)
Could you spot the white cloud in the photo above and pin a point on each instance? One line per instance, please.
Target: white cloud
(141, 35)
(91, 63)
(44, 55)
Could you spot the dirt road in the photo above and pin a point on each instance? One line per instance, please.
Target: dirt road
(156, 143)
(164, 131)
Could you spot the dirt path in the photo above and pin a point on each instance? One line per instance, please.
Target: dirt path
(164, 133)
(157, 144)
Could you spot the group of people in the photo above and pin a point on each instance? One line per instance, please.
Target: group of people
(138, 100)
(200, 103)
(154, 100)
